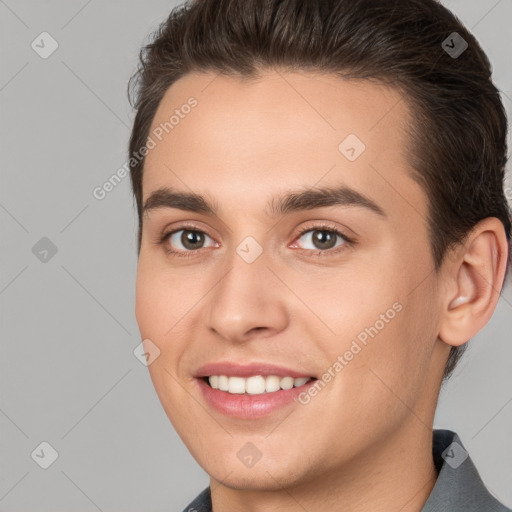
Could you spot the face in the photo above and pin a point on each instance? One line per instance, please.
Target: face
(270, 280)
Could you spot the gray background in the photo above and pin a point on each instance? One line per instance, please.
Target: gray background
(68, 374)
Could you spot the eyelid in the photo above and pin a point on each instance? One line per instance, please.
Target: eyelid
(325, 226)
(348, 241)
(311, 226)
(185, 226)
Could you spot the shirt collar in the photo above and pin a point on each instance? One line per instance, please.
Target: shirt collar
(458, 486)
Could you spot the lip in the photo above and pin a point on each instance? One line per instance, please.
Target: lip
(247, 406)
(248, 370)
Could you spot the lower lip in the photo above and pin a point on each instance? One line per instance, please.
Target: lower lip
(250, 406)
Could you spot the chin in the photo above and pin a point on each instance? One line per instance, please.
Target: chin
(255, 481)
(265, 475)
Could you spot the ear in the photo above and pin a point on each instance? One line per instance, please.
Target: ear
(472, 282)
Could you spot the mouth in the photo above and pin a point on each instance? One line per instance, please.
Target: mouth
(255, 384)
(254, 396)
(251, 390)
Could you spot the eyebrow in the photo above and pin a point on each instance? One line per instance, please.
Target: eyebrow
(294, 201)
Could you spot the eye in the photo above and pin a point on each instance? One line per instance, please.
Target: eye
(322, 239)
(188, 240)
(185, 240)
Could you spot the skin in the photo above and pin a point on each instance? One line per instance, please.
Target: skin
(365, 440)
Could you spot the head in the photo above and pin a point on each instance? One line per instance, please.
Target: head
(249, 115)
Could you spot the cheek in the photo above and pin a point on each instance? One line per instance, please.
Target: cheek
(156, 301)
(155, 308)
(396, 362)
(383, 332)
(147, 298)
(162, 310)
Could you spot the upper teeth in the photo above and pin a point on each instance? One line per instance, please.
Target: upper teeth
(254, 385)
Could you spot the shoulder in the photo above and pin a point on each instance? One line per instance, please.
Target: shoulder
(459, 486)
(201, 503)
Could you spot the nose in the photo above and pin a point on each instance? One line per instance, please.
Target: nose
(247, 302)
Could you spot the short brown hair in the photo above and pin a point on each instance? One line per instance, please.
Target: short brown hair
(458, 138)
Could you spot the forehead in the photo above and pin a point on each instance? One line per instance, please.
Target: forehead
(282, 130)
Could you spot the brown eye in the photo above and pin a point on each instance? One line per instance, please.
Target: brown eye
(322, 239)
(187, 240)
(192, 239)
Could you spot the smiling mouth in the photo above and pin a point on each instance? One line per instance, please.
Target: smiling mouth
(254, 385)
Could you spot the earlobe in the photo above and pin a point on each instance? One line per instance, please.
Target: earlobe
(458, 317)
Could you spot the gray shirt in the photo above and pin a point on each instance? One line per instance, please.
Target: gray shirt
(458, 487)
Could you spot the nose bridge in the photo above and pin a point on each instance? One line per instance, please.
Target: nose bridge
(247, 296)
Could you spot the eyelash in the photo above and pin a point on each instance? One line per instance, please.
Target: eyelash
(348, 242)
